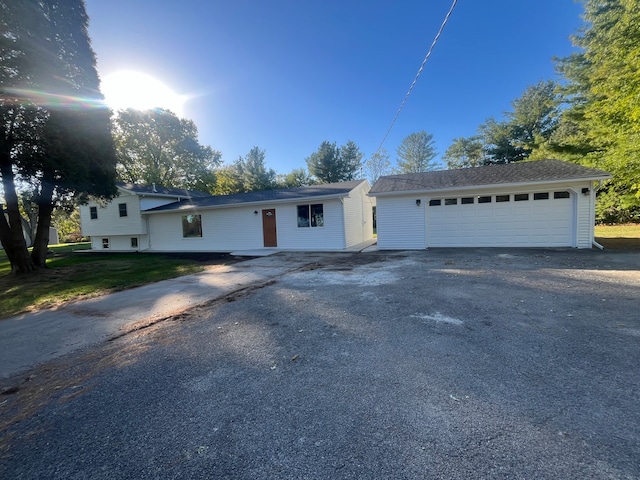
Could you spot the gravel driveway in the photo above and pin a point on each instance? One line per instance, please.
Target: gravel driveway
(461, 364)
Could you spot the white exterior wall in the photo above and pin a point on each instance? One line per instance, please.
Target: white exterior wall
(238, 228)
(358, 216)
(109, 221)
(401, 223)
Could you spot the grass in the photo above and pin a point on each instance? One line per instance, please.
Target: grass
(631, 230)
(73, 275)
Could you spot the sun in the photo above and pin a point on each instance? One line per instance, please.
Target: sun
(128, 89)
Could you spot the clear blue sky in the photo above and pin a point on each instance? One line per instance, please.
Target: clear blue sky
(284, 75)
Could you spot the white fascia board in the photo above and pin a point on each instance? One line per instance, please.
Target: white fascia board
(485, 187)
(250, 204)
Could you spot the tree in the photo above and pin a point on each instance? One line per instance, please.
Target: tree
(228, 181)
(416, 153)
(253, 173)
(55, 129)
(155, 146)
(331, 163)
(298, 177)
(378, 165)
(464, 153)
(604, 95)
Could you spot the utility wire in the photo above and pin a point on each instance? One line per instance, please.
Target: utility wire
(415, 80)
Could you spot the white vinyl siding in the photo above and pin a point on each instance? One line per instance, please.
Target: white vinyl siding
(358, 216)
(401, 223)
(109, 221)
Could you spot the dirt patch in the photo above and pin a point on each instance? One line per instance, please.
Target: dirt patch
(619, 243)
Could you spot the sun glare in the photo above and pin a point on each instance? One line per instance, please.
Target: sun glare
(127, 89)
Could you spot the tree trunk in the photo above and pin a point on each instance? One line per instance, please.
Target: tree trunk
(12, 235)
(45, 208)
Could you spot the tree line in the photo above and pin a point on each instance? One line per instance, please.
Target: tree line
(59, 144)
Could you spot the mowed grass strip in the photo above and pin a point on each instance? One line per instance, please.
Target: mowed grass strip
(630, 230)
(74, 275)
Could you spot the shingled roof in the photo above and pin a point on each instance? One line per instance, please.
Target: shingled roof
(160, 190)
(539, 171)
(327, 190)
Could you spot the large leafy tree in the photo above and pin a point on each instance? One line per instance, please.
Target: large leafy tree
(155, 146)
(253, 172)
(464, 152)
(55, 133)
(331, 163)
(603, 120)
(416, 153)
(298, 177)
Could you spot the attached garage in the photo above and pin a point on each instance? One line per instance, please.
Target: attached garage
(546, 203)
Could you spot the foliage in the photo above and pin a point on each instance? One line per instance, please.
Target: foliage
(377, 166)
(155, 146)
(298, 177)
(68, 225)
(73, 276)
(55, 130)
(331, 163)
(604, 95)
(253, 173)
(464, 153)
(416, 153)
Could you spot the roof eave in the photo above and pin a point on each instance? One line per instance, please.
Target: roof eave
(490, 185)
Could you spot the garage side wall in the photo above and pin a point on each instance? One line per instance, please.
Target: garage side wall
(401, 222)
(358, 216)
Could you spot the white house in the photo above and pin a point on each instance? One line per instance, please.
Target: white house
(333, 216)
(544, 203)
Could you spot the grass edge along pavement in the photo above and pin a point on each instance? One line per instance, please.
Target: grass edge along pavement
(73, 275)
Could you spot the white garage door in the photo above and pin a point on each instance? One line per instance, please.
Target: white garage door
(536, 219)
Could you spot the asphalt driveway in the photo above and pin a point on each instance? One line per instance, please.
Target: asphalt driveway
(470, 364)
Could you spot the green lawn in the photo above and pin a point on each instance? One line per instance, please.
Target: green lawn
(631, 230)
(73, 274)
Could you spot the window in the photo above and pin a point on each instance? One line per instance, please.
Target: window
(561, 195)
(122, 208)
(435, 203)
(191, 226)
(311, 215)
(105, 243)
(134, 242)
(466, 200)
(502, 198)
(450, 201)
(93, 212)
(521, 197)
(486, 199)
(541, 196)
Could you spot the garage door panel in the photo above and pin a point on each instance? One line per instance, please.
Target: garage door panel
(546, 222)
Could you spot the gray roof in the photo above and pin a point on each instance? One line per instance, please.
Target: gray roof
(538, 171)
(160, 190)
(341, 189)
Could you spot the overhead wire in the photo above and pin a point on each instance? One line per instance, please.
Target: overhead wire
(415, 80)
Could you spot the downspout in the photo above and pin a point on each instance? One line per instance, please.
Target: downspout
(593, 238)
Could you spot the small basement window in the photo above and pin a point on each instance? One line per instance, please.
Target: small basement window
(93, 212)
(134, 242)
(311, 215)
(466, 200)
(450, 201)
(485, 199)
(541, 196)
(561, 195)
(191, 226)
(502, 198)
(105, 243)
(122, 208)
(435, 203)
(521, 197)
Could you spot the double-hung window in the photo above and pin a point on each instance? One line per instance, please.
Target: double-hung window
(311, 215)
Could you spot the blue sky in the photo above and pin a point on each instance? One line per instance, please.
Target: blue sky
(285, 75)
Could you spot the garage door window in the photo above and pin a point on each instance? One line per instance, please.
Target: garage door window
(541, 196)
(521, 197)
(486, 199)
(450, 201)
(561, 195)
(435, 203)
(502, 198)
(466, 200)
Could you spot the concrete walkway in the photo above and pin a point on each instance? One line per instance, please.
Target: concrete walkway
(30, 339)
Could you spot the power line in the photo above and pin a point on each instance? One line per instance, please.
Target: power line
(433, 44)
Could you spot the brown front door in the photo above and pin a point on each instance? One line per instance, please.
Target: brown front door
(269, 228)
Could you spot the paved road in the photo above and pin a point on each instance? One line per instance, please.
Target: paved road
(470, 364)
